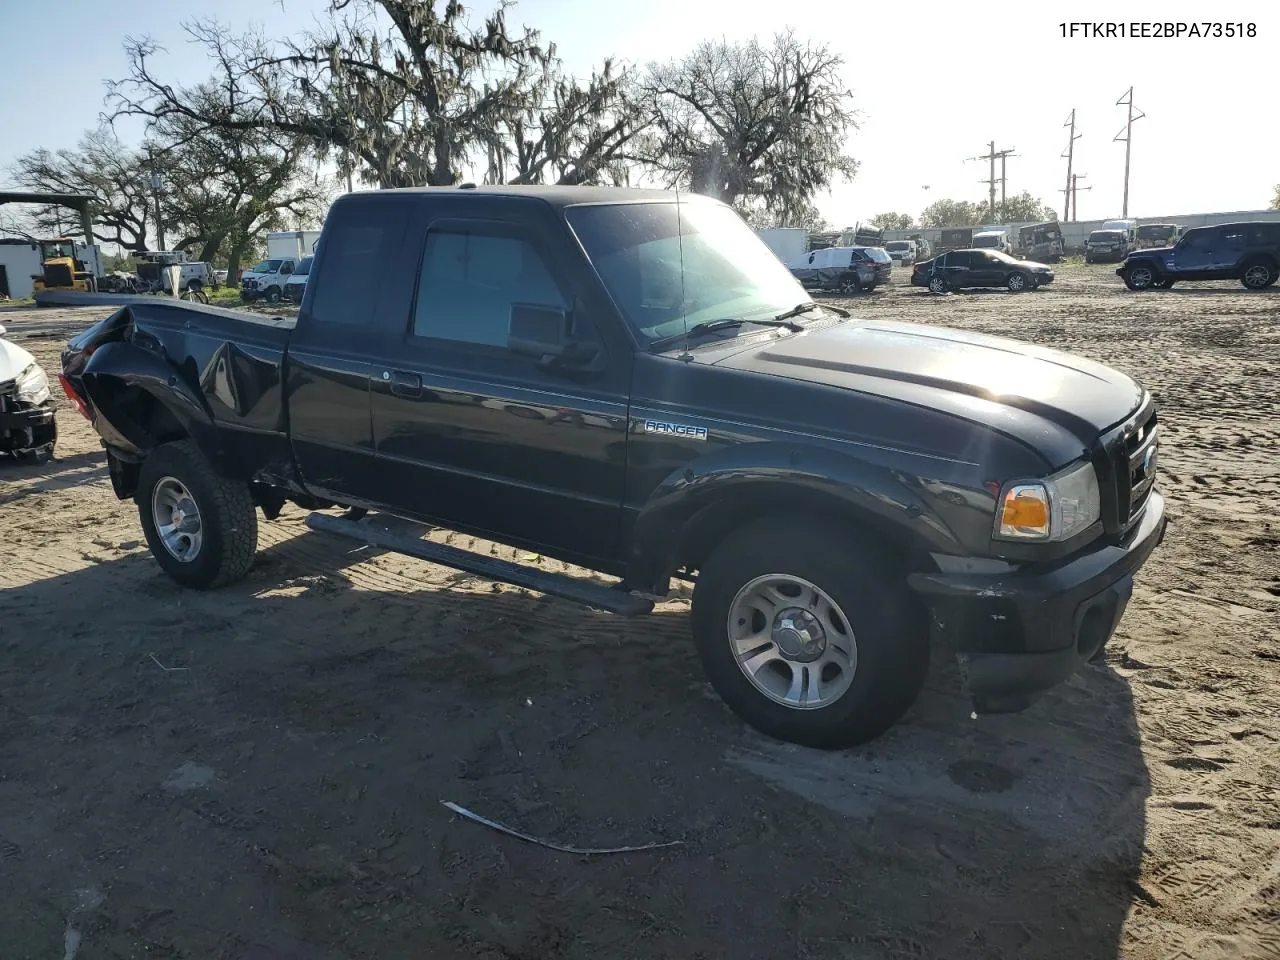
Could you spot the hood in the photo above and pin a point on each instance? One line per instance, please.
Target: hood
(13, 360)
(1055, 402)
(1035, 265)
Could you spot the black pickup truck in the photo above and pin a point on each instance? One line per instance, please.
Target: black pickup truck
(633, 383)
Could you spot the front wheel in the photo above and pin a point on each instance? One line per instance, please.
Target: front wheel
(1140, 277)
(273, 295)
(1256, 276)
(201, 527)
(806, 638)
(1018, 282)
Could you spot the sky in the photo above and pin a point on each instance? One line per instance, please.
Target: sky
(934, 85)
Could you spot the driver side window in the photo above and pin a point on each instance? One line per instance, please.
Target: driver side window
(469, 282)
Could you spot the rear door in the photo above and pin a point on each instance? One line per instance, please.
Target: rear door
(334, 352)
(959, 268)
(468, 433)
(1228, 252)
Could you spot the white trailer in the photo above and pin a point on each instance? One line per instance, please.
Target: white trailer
(19, 263)
(789, 244)
(291, 244)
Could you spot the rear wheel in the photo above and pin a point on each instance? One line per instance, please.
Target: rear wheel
(1140, 277)
(201, 527)
(850, 287)
(937, 285)
(1257, 275)
(806, 638)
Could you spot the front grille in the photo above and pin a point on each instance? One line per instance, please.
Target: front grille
(1130, 455)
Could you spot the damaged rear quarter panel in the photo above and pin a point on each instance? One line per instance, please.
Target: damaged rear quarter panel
(219, 377)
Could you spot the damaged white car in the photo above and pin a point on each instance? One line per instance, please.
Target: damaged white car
(27, 424)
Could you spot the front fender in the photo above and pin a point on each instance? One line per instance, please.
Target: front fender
(113, 368)
(750, 479)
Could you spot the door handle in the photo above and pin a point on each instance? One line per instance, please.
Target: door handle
(405, 384)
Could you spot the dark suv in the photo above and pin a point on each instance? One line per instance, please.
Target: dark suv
(1248, 252)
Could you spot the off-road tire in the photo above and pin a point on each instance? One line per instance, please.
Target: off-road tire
(229, 524)
(1141, 276)
(890, 634)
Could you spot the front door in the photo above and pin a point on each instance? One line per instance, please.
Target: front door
(988, 271)
(1192, 258)
(476, 437)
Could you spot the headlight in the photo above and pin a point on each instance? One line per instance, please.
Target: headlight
(1057, 508)
(33, 385)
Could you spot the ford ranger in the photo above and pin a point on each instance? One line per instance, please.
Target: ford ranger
(630, 381)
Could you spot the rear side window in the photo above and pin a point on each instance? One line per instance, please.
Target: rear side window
(470, 280)
(360, 238)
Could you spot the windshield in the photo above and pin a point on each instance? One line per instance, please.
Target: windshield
(1106, 236)
(54, 250)
(266, 266)
(897, 245)
(1156, 233)
(304, 267)
(639, 250)
(991, 240)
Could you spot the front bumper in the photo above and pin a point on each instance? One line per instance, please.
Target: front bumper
(26, 428)
(1020, 633)
(1105, 256)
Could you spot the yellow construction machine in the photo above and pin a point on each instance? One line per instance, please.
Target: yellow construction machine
(62, 269)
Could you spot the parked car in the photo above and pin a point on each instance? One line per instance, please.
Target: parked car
(297, 282)
(965, 269)
(1041, 242)
(837, 270)
(1106, 246)
(1248, 252)
(904, 252)
(28, 426)
(880, 260)
(634, 383)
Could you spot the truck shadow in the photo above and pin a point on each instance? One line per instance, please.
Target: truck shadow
(285, 744)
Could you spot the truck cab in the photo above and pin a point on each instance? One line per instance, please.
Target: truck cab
(992, 240)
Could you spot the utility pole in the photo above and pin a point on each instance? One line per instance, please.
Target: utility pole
(1070, 209)
(157, 183)
(991, 156)
(1127, 101)
(1072, 137)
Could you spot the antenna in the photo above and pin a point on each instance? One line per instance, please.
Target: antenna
(684, 314)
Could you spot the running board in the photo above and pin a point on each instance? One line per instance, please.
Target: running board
(610, 599)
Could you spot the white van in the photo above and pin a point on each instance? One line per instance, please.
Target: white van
(993, 240)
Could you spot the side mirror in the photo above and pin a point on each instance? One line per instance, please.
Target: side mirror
(545, 334)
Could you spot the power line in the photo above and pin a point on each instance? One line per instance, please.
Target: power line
(1072, 137)
(1127, 136)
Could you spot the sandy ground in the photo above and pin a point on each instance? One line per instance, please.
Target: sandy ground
(258, 772)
